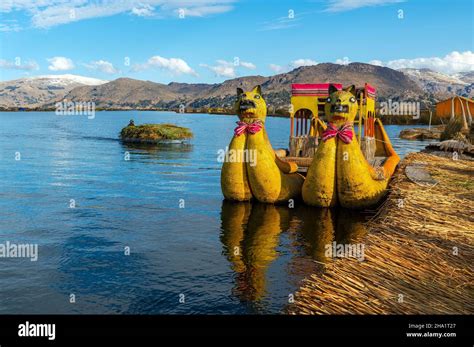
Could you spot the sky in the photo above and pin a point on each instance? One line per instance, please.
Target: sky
(209, 41)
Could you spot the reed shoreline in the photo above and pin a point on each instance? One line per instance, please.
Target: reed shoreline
(419, 250)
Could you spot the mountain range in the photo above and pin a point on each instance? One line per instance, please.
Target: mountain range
(126, 93)
(34, 92)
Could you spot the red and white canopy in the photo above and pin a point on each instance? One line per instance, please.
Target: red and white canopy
(370, 91)
(311, 89)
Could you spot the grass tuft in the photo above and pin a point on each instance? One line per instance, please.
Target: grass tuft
(453, 127)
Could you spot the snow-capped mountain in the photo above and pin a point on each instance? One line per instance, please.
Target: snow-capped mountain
(441, 85)
(467, 77)
(68, 79)
(31, 92)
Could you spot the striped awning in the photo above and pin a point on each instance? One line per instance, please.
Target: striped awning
(310, 89)
(370, 91)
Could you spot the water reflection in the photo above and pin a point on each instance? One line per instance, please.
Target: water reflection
(320, 227)
(155, 148)
(179, 154)
(250, 234)
(251, 237)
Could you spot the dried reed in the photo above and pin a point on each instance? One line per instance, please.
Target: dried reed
(419, 251)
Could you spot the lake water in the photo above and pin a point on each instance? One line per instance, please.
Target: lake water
(73, 193)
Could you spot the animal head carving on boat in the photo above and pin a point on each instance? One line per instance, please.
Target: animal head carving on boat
(341, 105)
(251, 105)
(265, 177)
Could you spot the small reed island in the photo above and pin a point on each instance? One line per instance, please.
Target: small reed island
(155, 133)
(422, 133)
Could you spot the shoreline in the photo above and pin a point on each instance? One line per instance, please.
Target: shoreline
(391, 122)
(148, 110)
(423, 266)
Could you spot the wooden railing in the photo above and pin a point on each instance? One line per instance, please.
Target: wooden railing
(301, 122)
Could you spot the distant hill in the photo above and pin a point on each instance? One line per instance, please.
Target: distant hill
(127, 93)
(31, 92)
(123, 93)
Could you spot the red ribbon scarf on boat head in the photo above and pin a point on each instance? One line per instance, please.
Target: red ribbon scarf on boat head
(344, 133)
(250, 128)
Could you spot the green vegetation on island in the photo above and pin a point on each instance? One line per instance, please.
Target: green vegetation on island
(155, 133)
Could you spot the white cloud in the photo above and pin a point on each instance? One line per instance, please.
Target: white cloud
(19, 65)
(348, 5)
(60, 64)
(292, 65)
(453, 62)
(58, 14)
(343, 61)
(9, 25)
(103, 66)
(176, 66)
(225, 68)
(276, 68)
(191, 10)
(143, 10)
(282, 22)
(248, 65)
(222, 69)
(302, 62)
(50, 13)
(376, 62)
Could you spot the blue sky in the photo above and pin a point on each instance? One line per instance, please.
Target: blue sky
(214, 40)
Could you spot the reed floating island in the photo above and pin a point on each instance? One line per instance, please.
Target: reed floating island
(422, 133)
(155, 134)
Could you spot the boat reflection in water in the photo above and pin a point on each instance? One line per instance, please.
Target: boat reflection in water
(254, 234)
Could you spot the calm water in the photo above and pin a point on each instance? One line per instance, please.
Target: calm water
(223, 257)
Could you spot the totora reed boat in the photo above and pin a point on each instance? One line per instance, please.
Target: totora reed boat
(339, 145)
